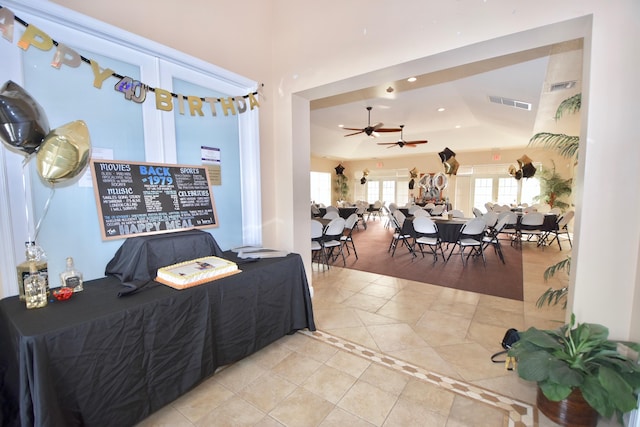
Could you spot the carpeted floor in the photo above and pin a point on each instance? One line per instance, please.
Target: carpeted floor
(497, 279)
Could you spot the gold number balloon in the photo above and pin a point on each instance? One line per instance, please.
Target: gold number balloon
(64, 153)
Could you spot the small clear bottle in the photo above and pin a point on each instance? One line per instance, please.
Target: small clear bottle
(70, 277)
(35, 288)
(33, 253)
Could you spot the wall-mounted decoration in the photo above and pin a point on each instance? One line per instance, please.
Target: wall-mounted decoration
(132, 90)
(136, 199)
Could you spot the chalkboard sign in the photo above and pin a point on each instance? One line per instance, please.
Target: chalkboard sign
(137, 199)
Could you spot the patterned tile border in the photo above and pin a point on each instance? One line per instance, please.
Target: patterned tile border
(520, 414)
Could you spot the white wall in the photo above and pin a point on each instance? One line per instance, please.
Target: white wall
(315, 49)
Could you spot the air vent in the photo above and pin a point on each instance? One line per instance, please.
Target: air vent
(562, 86)
(510, 102)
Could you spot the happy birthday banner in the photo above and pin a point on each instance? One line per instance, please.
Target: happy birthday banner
(133, 90)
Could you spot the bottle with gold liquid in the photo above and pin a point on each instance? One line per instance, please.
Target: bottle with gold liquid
(35, 288)
(34, 253)
(70, 277)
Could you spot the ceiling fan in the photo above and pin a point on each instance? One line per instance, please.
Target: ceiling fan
(401, 142)
(372, 130)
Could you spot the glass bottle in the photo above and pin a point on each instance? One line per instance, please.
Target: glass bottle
(33, 253)
(35, 288)
(70, 277)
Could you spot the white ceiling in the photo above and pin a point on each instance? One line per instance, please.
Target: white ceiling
(470, 122)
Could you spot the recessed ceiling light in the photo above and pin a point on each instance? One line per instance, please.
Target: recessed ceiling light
(340, 126)
(411, 79)
(458, 126)
(441, 109)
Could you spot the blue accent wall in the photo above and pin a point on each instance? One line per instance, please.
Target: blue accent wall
(219, 132)
(67, 212)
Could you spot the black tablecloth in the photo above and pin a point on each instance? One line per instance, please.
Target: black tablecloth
(448, 230)
(549, 222)
(137, 261)
(101, 360)
(342, 212)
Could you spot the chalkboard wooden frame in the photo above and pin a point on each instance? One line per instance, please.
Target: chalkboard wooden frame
(140, 198)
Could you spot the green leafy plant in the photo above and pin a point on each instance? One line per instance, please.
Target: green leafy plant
(565, 145)
(553, 296)
(553, 188)
(580, 356)
(342, 186)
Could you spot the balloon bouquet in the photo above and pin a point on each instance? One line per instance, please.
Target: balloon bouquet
(61, 154)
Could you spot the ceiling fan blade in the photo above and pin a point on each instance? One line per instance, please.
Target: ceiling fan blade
(415, 142)
(355, 133)
(377, 126)
(388, 130)
(360, 129)
(387, 143)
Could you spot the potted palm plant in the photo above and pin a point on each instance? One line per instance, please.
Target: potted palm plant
(553, 187)
(578, 363)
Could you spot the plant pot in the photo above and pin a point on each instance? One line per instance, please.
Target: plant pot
(573, 411)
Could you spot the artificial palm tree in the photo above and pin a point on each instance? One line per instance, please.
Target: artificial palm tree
(553, 296)
(553, 187)
(341, 186)
(565, 145)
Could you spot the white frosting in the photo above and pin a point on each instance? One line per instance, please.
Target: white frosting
(196, 270)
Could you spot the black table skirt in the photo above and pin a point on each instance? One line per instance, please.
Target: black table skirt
(448, 231)
(342, 212)
(101, 360)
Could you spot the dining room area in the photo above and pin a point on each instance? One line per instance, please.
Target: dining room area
(482, 253)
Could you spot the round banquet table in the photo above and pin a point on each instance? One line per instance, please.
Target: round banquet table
(448, 229)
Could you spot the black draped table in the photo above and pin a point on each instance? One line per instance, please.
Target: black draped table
(448, 229)
(342, 212)
(103, 360)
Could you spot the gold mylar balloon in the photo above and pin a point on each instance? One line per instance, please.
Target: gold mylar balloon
(524, 160)
(451, 166)
(64, 153)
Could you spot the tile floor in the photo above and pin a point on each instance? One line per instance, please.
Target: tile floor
(388, 352)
